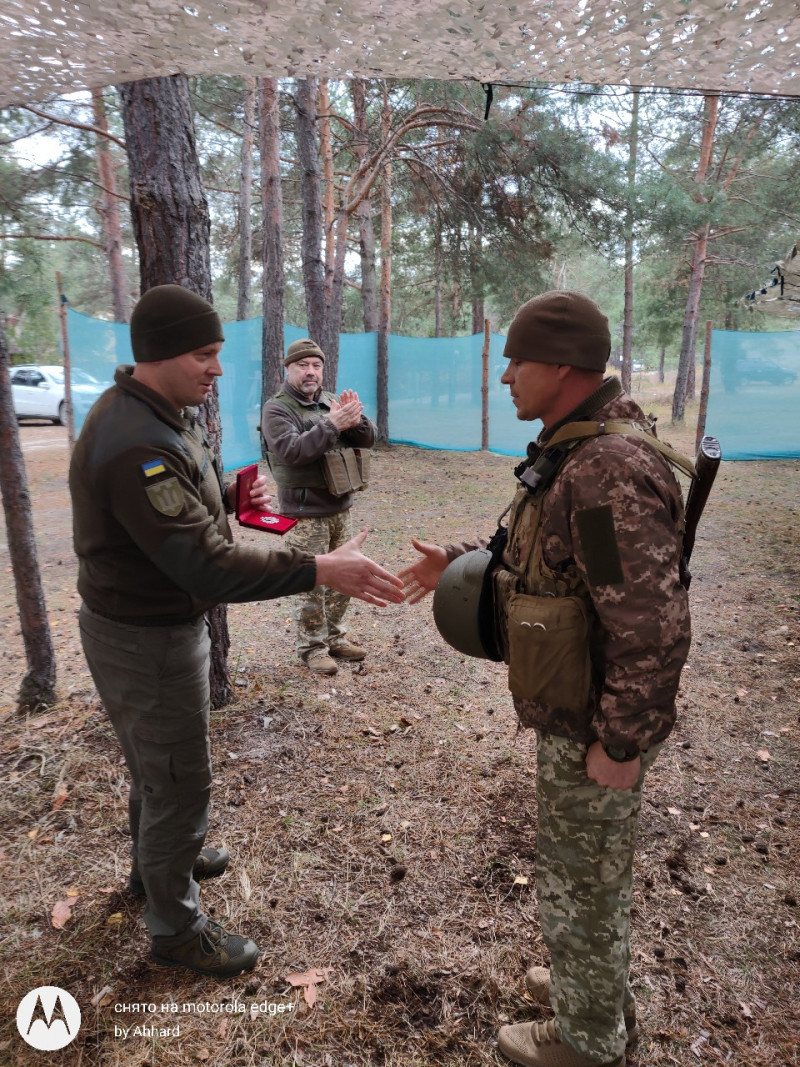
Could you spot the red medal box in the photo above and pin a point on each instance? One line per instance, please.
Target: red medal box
(249, 516)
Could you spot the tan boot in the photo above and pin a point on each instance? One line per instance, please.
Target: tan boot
(537, 982)
(320, 663)
(347, 650)
(538, 1045)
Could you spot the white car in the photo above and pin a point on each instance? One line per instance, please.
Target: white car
(39, 392)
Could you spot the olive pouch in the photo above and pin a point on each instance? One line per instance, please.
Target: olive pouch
(346, 470)
(548, 651)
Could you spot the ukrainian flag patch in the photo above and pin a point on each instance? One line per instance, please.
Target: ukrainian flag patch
(155, 466)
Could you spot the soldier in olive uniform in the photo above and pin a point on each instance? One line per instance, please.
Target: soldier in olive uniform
(155, 551)
(593, 621)
(300, 424)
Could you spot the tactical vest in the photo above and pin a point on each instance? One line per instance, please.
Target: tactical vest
(302, 475)
(548, 631)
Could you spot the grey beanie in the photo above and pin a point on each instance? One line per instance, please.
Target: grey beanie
(169, 321)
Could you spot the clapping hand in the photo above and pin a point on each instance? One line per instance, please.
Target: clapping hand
(346, 412)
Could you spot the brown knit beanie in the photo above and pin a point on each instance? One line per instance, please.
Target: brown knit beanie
(169, 321)
(560, 327)
(301, 350)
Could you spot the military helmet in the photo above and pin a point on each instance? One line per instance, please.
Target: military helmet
(463, 605)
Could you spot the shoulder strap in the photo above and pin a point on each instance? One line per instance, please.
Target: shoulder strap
(577, 431)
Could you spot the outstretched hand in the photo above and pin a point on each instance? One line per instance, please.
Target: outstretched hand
(349, 571)
(423, 576)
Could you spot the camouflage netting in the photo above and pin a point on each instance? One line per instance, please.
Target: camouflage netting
(781, 293)
(54, 46)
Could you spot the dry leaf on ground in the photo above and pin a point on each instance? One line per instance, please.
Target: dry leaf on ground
(308, 981)
(61, 913)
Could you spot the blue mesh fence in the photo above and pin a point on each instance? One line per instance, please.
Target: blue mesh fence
(435, 388)
(434, 385)
(754, 398)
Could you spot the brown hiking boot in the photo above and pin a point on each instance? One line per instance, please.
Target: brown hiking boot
(320, 663)
(210, 863)
(213, 951)
(347, 650)
(538, 1045)
(537, 982)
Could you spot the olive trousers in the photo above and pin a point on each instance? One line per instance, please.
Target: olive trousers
(153, 682)
(584, 866)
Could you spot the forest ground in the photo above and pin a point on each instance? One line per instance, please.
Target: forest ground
(382, 822)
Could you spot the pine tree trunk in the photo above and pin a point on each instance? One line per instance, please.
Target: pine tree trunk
(172, 229)
(438, 266)
(697, 272)
(110, 214)
(37, 690)
(662, 357)
(311, 247)
(245, 201)
(385, 302)
(691, 379)
(698, 265)
(366, 232)
(478, 316)
(328, 190)
(627, 315)
(272, 212)
(334, 320)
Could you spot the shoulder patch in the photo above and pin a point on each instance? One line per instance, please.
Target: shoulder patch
(599, 547)
(166, 497)
(155, 466)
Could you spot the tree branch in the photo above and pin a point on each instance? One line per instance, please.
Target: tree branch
(88, 128)
(45, 237)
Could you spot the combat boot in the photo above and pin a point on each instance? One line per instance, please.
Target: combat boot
(210, 863)
(213, 951)
(347, 650)
(320, 663)
(538, 1045)
(537, 982)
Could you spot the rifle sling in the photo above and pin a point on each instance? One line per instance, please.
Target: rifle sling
(577, 431)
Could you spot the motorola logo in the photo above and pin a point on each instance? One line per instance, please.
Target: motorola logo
(48, 1018)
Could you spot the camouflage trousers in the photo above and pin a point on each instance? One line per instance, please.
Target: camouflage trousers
(584, 867)
(319, 614)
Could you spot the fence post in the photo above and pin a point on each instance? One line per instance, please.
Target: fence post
(485, 388)
(701, 412)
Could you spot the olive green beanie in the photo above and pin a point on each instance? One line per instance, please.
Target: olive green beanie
(302, 350)
(560, 327)
(169, 321)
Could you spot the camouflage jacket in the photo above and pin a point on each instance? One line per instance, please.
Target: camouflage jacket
(149, 526)
(299, 441)
(608, 533)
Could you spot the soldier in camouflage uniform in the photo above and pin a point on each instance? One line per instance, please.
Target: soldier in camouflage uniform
(593, 622)
(155, 551)
(300, 424)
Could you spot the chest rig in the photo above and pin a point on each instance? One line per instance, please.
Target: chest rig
(523, 566)
(300, 475)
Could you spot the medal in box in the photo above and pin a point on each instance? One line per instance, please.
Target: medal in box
(253, 517)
